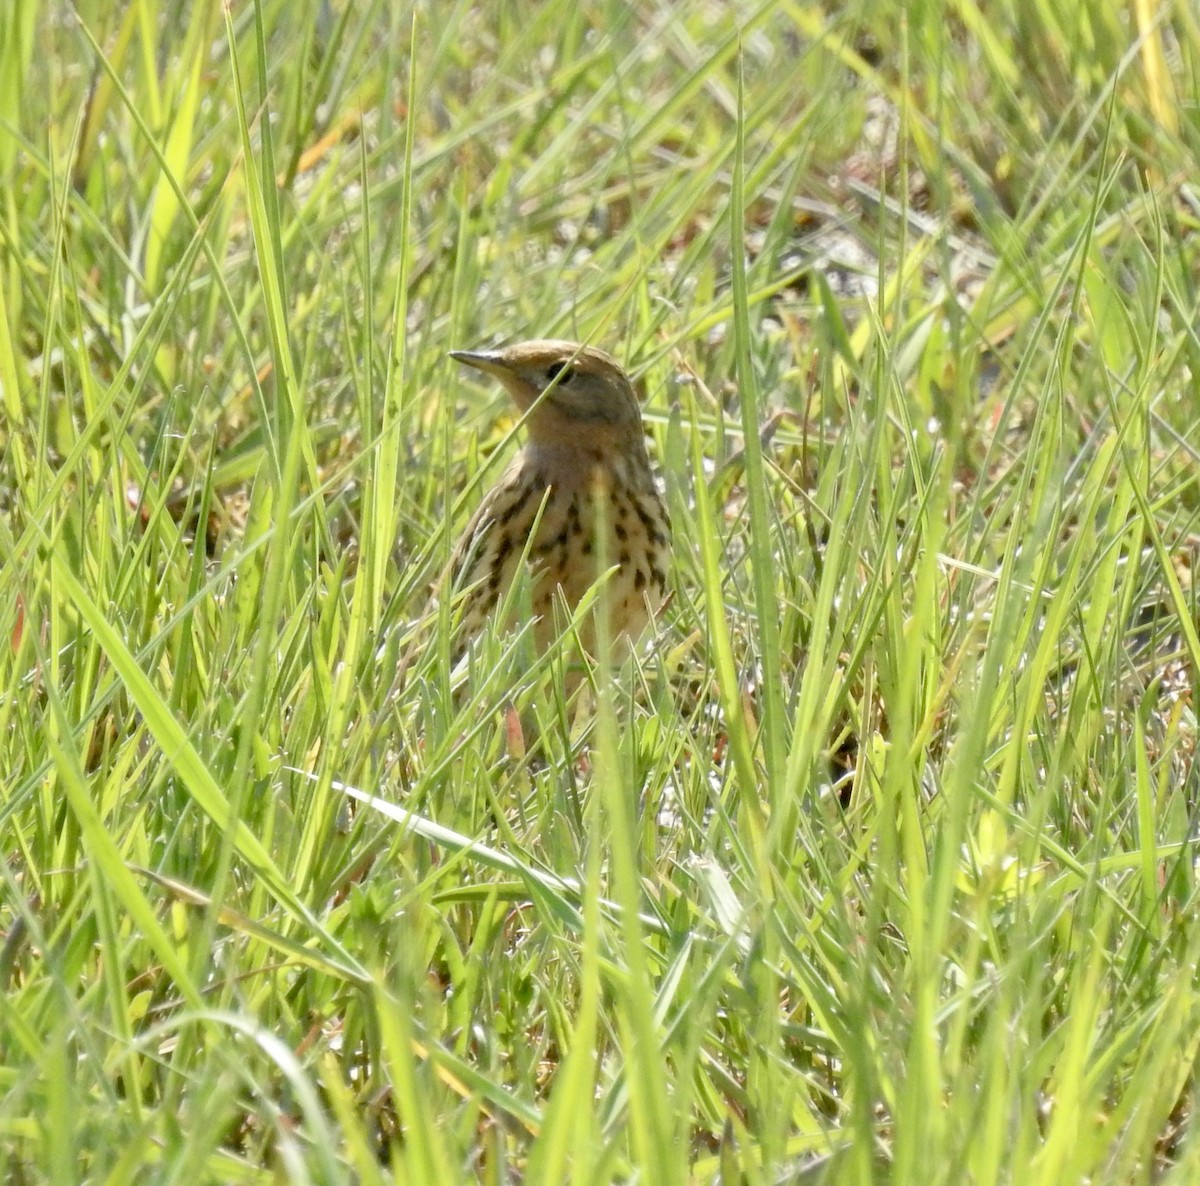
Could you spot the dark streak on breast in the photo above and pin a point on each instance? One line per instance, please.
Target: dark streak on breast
(515, 506)
(650, 522)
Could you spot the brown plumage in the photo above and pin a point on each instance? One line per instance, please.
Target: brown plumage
(585, 443)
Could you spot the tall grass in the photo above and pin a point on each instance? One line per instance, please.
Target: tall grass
(876, 865)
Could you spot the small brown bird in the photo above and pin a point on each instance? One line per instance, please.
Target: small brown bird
(585, 447)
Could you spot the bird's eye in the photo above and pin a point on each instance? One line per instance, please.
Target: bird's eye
(560, 371)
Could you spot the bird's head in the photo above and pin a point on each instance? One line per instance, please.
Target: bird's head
(582, 395)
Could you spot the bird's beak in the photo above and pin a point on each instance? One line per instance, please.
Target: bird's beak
(491, 362)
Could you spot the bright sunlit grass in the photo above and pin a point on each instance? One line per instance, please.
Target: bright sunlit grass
(876, 865)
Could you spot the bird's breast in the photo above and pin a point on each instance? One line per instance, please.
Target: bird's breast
(573, 525)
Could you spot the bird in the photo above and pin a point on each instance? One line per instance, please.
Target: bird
(581, 485)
